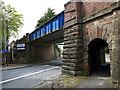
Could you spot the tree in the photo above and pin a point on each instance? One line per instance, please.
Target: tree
(10, 19)
(47, 16)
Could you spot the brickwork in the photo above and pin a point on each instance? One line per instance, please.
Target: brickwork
(72, 54)
(35, 52)
(100, 28)
(72, 11)
(85, 22)
(73, 41)
(21, 56)
(89, 8)
(84, 9)
(115, 62)
(42, 51)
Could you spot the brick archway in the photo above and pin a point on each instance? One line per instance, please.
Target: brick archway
(101, 28)
(96, 54)
(104, 28)
(102, 33)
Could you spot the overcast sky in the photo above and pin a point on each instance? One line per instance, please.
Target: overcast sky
(32, 10)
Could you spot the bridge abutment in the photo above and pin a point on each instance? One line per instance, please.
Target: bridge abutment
(73, 61)
(42, 52)
(115, 62)
(83, 25)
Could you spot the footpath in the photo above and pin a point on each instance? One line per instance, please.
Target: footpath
(17, 66)
(13, 66)
(99, 79)
(67, 81)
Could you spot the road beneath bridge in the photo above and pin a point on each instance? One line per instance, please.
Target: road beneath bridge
(30, 76)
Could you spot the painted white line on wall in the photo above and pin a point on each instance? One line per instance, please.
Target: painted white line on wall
(27, 75)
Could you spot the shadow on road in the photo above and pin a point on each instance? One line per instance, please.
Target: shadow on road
(55, 63)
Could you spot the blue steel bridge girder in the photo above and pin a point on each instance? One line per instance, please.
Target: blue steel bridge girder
(51, 38)
(51, 26)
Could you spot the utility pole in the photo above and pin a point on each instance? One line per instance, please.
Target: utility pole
(6, 41)
(7, 61)
(0, 39)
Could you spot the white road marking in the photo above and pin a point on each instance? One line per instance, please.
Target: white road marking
(27, 75)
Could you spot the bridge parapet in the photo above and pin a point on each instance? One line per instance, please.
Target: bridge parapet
(56, 23)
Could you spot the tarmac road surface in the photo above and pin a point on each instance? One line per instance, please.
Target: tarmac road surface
(30, 76)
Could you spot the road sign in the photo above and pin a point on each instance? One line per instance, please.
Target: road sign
(4, 51)
(20, 46)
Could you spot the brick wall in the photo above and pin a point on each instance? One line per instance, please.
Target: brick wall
(99, 28)
(72, 52)
(78, 9)
(34, 52)
(71, 11)
(89, 8)
(43, 52)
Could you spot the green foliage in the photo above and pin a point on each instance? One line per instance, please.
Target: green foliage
(71, 81)
(107, 50)
(47, 16)
(75, 80)
(59, 50)
(67, 83)
(84, 73)
(11, 20)
(110, 80)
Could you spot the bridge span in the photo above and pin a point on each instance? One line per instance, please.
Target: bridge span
(51, 32)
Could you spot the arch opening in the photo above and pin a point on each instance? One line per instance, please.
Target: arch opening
(97, 57)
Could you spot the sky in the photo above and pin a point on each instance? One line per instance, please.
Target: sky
(32, 10)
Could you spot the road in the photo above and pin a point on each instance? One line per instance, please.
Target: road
(30, 76)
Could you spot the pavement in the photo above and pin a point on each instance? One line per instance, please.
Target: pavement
(98, 79)
(101, 78)
(94, 82)
(97, 82)
(17, 66)
(13, 66)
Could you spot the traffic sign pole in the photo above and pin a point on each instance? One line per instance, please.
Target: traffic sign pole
(4, 40)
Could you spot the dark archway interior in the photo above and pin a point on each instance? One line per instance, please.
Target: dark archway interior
(96, 56)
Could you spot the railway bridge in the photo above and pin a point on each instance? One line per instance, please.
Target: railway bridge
(86, 28)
